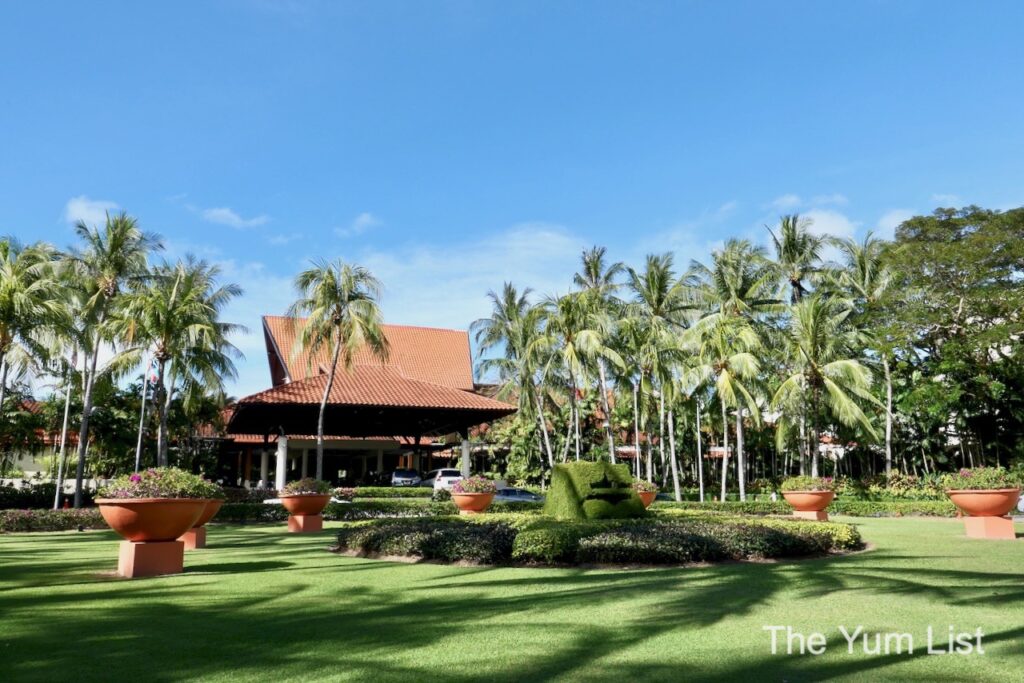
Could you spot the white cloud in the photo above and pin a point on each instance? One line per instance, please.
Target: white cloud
(225, 216)
(946, 199)
(360, 224)
(828, 222)
(90, 211)
(890, 220)
(834, 198)
(786, 201)
(282, 239)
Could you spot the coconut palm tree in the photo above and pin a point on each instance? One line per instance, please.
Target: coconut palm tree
(27, 301)
(827, 377)
(726, 360)
(107, 260)
(514, 326)
(797, 253)
(340, 303)
(573, 341)
(598, 279)
(867, 277)
(175, 313)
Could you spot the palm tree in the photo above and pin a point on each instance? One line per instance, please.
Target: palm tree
(514, 326)
(572, 341)
(867, 276)
(27, 301)
(739, 284)
(175, 313)
(725, 360)
(340, 303)
(107, 259)
(826, 376)
(598, 280)
(797, 253)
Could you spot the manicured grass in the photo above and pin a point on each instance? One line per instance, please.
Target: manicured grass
(262, 604)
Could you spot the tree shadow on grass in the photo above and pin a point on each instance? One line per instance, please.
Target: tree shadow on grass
(348, 618)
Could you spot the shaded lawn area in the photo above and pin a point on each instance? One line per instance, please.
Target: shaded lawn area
(263, 604)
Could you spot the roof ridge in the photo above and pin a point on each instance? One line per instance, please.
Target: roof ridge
(394, 325)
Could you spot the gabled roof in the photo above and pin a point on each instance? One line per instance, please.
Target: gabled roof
(439, 356)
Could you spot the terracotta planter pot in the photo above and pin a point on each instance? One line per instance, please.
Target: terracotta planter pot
(209, 512)
(647, 497)
(151, 519)
(809, 504)
(985, 502)
(472, 503)
(305, 503)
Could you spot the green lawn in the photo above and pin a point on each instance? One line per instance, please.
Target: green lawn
(263, 604)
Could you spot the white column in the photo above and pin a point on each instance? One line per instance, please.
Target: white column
(282, 462)
(465, 457)
(380, 460)
(264, 468)
(305, 463)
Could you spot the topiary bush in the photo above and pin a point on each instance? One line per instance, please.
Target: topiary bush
(592, 490)
(445, 539)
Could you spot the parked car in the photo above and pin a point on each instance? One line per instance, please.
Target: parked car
(514, 495)
(405, 477)
(441, 479)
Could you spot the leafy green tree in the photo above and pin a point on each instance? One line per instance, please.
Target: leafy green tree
(797, 253)
(340, 303)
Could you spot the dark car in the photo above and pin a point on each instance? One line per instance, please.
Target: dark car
(403, 477)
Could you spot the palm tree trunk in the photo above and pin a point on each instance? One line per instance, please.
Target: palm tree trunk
(815, 444)
(142, 417)
(636, 428)
(661, 430)
(741, 464)
(888, 416)
(161, 406)
(725, 455)
(803, 445)
(607, 412)
(168, 396)
(63, 446)
(544, 431)
(83, 430)
(4, 367)
(323, 410)
(672, 455)
(700, 457)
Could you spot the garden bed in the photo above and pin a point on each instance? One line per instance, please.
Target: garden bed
(840, 506)
(534, 540)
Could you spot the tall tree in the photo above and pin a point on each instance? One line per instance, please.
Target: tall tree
(797, 253)
(175, 313)
(106, 260)
(340, 303)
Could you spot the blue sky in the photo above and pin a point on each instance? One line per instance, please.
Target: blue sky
(450, 146)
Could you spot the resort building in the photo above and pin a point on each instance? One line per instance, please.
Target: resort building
(414, 410)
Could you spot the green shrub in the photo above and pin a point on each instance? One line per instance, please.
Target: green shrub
(160, 482)
(592, 490)
(50, 520)
(980, 478)
(393, 492)
(805, 483)
(34, 495)
(306, 486)
(673, 537)
(839, 506)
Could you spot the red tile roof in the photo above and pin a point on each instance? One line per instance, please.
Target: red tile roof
(439, 356)
(384, 386)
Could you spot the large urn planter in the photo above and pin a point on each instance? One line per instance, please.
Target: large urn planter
(304, 511)
(809, 504)
(987, 511)
(151, 527)
(472, 503)
(195, 537)
(647, 497)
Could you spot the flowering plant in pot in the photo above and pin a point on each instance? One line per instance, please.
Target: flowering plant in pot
(809, 496)
(985, 495)
(473, 494)
(156, 504)
(305, 499)
(646, 490)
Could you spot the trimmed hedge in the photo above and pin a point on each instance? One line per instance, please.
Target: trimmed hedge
(50, 520)
(840, 506)
(393, 492)
(592, 490)
(373, 508)
(679, 538)
(35, 495)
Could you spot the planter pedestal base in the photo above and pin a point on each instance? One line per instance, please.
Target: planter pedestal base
(150, 558)
(990, 527)
(301, 524)
(194, 538)
(816, 515)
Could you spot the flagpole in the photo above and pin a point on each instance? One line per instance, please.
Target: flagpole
(142, 415)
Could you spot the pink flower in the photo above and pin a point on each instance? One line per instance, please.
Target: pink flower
(136, 477)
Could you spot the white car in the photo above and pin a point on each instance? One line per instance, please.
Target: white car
(441, 479)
